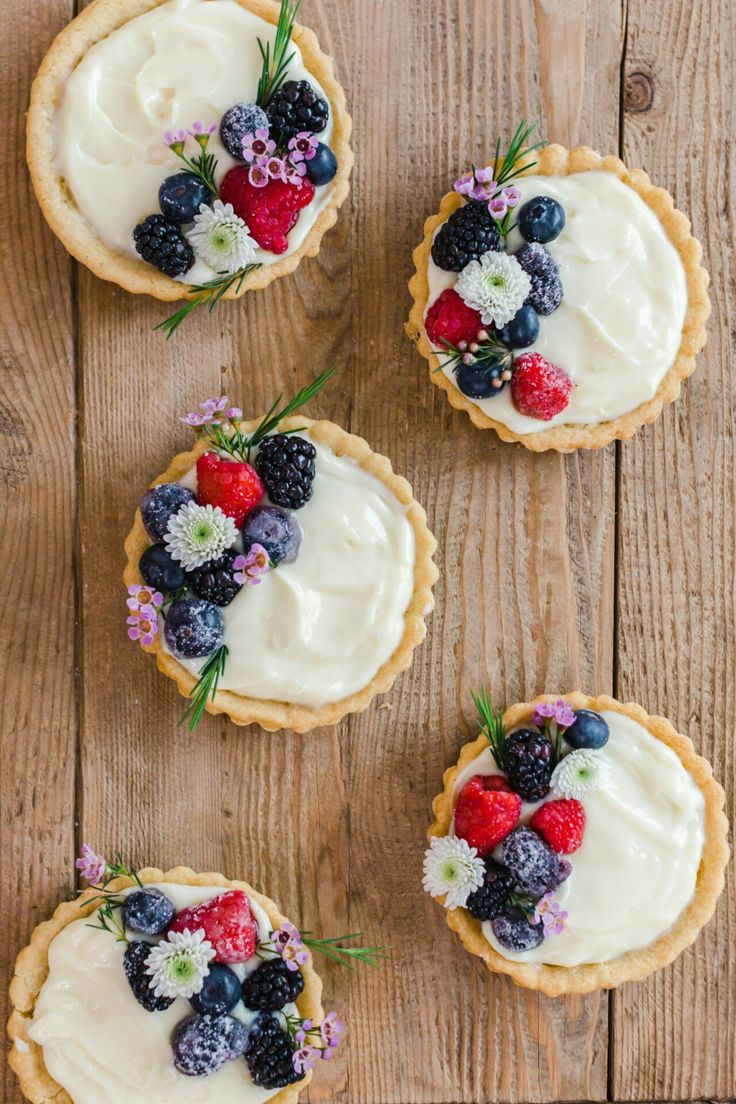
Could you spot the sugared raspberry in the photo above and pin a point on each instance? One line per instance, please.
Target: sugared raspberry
(451, 320)
(270, 212)
(561, 824)
(539, 389)
(485, 815)
(233, 486)
(227, 923)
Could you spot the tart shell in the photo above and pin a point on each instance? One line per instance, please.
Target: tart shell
(273, 715)
(92, 25)
(32, 967)
(555, 160)
(555, 981)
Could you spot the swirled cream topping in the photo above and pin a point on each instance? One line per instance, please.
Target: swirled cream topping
(185, 60)
(635, 871)
(319, 629)
(619, 326)
(99, 1043)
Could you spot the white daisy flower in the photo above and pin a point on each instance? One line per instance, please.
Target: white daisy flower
(196, 534)
(579, 773)
(452, 868)
(221, 238)
(496, 286)
(179, 964)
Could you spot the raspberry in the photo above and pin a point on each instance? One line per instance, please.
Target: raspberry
(450, 320)
(561, 824)
(484, 815)
(539, 389)
(270, 212)
(233, 486)
(227, 923)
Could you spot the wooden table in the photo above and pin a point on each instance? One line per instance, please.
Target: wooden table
(609, 571)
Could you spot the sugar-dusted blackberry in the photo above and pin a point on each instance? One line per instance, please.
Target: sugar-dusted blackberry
(546, 292)
(530, 761)
(160, 242)
(134, 965)
(285, 463)
(467, 235)
(513, 930)
(239, 120)
(201, 1044)
(533, 865)
(272, 986)
(493, 896)
(215, 580)
(296, 106)
(270, 1054)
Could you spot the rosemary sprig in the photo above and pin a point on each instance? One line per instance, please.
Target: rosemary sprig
(274, 415)
(202, 166)
(508, 167)
(205, 687)
(275, 62)
(490, 355)
(207, 294)
(109, 902)
(346, 956)
(492, 726)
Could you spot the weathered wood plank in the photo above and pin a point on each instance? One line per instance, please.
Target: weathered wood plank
(677, 543)
(37, 492)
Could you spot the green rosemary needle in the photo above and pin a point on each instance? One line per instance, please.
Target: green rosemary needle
(346, 956)
(207, 294)
(275, 62)
(205, 687)
(491, 724)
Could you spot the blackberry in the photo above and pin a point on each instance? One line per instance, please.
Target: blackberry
(160, 242)
(467, 235)
(239, 120)
(513, 931)
(530, 761)
(269, 1055)
(201, 1044)
(215, 580)
(546, 293)
(149, 911)
(296, 106)
(285, 463)
(534, 866)
(491, 899)
(272, 986)
(134, 965)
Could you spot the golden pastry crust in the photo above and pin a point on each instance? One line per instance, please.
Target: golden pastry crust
(554, 981)
(273, 715)
(555, 160)
(32, 967)
(93, 24)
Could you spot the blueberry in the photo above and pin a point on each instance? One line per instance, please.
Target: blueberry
(239, 120)
(523, 329)
(475, 382)
(513, 931)
(158, 504)
(193, 628)
(160, 570)
(323, 166)
(201, 1044)
(541, 219)
(149, 911)
(589, 730)
(181, 196)
(277, 530)
(534, 865)
(219, 993)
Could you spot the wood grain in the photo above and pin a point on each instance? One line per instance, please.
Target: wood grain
(677, 540)
(537, 590)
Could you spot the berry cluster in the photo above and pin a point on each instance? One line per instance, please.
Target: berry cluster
(494, 309)
(512, 861)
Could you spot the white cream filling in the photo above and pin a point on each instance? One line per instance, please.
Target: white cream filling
(619, 326)
(319, 629)
(636, 869)
(99, 1043)
(183, 61)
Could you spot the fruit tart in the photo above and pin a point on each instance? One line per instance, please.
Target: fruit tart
(153, 987)
(558, 297)
(578, 843)
(280, 571)
(188, 148)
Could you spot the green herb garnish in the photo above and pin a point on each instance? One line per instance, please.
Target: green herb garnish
(492, 726)
(346, 956)
(109, 901)
(205, 687)
(275, 63)
(208, 294)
